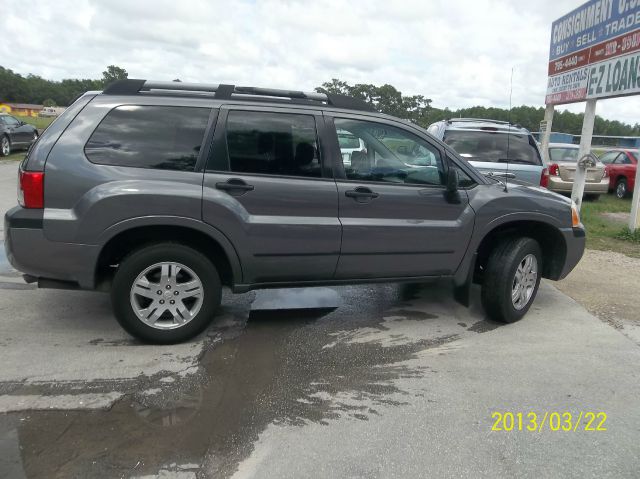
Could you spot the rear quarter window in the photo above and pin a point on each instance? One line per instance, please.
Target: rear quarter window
(160, 137)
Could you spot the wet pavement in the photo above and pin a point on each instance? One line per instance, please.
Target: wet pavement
(272, 357)
(361, 381)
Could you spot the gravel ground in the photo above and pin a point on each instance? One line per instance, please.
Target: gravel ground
(606, 283)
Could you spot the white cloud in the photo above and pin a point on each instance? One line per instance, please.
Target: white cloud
(458, 53)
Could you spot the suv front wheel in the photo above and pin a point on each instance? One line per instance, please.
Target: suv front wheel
(165, 293)
(511, 279)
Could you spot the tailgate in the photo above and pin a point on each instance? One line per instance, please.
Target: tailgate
(568, 172)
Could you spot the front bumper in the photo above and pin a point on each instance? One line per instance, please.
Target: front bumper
(29, 251)
(575, 239)
(558, 185)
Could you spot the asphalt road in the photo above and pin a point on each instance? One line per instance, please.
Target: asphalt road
(367, 381)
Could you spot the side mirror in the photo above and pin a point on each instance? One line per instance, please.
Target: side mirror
(452, 180)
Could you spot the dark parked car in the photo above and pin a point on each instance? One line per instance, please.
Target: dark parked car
(15, 134)
(163, 192)
(621, 167)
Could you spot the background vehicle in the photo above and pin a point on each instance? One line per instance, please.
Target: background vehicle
(15, 134)
(348, 144)
(621, 166)
(163, 192)
(562, 168)
(494, 146)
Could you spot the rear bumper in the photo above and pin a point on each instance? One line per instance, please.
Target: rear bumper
(575, 239)
(30, 252)
(560, 186)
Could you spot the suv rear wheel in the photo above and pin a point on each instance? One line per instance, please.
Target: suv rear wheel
(511, 279)
(5, 146)
(165, 293)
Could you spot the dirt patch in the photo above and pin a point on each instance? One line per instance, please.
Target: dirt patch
(606, 283)
(617, 217)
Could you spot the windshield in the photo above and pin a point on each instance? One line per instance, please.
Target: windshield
(564, 154)
(493, 146)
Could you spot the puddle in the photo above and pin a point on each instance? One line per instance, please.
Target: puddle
(267, 364)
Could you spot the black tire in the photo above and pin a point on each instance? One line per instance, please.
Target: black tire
(5, 148)
(135, 263)
(499, 278)
(621, 191)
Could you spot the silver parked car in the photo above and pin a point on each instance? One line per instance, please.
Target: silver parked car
(563, 159)
(494, 146)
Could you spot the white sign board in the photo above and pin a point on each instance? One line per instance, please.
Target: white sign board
(594, 52)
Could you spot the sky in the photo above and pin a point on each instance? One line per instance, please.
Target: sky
(459, 53)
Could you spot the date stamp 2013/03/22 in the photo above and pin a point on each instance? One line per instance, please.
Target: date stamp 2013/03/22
(549, 421)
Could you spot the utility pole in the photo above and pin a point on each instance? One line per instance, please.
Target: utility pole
(585, 149)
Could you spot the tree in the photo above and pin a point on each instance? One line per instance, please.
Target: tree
(49, 102)
(385, 98)
(113, 73)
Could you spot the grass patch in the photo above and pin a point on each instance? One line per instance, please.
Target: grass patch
(39, 122)
(17, 156)
(609, 234)
(627, 235)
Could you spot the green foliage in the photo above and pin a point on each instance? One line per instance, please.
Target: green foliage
(49, 102)
(418, 109)
(34, 89)
(384, 98)
(113, 73)
(628, 235)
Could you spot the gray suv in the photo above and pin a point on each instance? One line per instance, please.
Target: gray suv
(162, 193)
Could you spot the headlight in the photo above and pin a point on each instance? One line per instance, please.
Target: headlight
(575, 215)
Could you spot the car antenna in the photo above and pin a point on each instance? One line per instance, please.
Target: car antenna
(506, 179)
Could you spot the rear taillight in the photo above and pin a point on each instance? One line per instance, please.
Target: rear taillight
(31, 189)
(554, 169)
(606, 173)
(544, 178)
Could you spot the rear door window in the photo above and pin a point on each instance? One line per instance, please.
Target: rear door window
(161, 137)
(282, 144)
(494, 146)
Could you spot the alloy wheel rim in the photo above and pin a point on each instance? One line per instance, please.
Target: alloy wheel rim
(167, 295)
(621, 190)
(5, 146)
(524, 281)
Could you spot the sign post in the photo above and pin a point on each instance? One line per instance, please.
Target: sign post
(634, 219)
(585, 148)
(546, 132)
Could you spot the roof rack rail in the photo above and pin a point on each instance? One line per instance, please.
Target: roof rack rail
(480, 119)
(227, 92)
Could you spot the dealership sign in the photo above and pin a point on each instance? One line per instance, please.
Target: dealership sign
(595, 52)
